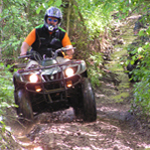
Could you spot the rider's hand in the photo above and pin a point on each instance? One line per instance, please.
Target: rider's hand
(22, 53)
(68, 56)
(69, 53)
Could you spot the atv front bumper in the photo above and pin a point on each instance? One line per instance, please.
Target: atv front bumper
(54, 86)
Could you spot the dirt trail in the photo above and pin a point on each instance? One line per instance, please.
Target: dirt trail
(115, 128)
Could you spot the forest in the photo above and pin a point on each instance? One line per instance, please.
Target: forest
(89, 24)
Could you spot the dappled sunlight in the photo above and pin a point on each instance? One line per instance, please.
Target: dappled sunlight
(99, 95)
(105, 133)
(107, 109)
(85, 136)
(101, 32)
(37, 148)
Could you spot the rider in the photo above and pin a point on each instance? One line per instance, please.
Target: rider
(48, 36)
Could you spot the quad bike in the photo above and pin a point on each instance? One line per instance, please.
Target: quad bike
(52, 84)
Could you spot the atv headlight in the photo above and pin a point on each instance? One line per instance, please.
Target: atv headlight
(33, 78)
(69, 72)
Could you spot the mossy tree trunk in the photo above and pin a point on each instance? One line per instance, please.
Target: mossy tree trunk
(68, 15)
(1, 7)
(27, 9)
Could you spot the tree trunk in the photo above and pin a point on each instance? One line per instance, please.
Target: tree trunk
(80, 15)
(68, 16)
(1, 7)
(27, 9)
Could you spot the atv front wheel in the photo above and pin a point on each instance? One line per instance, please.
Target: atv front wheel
(22, 99)
(89, 104)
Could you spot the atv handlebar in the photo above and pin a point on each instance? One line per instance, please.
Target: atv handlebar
(24, 56)
(38, 56)
(61, 49)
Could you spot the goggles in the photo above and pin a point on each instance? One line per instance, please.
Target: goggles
(54, 20)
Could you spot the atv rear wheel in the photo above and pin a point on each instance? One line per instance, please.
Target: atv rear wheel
(22, 99)
(88, 102)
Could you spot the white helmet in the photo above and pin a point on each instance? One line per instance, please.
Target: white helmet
(52, 12)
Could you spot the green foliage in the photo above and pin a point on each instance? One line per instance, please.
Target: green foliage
(7, 140)
(141, 96)
(6, 98)
(142, 89)
(48, 4)
(138, 50)
(6, 89)
(96, 17)
(97, 24)
(16, 23)
(6, 101)
(94, 71)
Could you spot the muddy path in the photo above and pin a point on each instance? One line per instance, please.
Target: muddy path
(115, 128)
